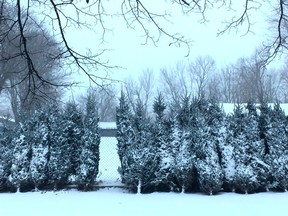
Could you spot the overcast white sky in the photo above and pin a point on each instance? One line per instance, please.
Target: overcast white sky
(127, 50)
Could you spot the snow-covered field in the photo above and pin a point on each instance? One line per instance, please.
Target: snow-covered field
(119, 202)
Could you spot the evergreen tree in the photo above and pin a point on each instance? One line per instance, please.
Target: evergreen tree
(39, 140)
(141, 164)
(5, 154)
(264, 124)
(125, 133)
(58, 162)
(183, 165)
(21, 157)
(71, 137)
(248, 150)
(145, 141)
(277, 141)
(258, 148)
(210, 125)
(185, 132)
(209, 175)
(228, 162)
(161, 135)
(280, 171)
(89, 156)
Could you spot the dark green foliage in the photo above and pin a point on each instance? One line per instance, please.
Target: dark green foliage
(202, 149)
(276, 138)
(58, 163)
(145, 163)
(249, 150)
(183, 168)
(184, 130)
(125, 134)
(159, 106)
(141, 163)
(39, 158)
(72, 133)
(243, 127)
(49, 148)
(264, 124)
(210, 126)
(89, 155)
(209, 176)
(21, 156)
(6, 134)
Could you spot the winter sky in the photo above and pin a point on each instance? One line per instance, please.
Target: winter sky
(126, 47)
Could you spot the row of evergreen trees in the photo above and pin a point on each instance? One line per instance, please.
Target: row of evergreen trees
(51, 149)
(199, 148)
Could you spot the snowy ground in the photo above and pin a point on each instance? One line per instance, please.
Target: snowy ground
(118, 202)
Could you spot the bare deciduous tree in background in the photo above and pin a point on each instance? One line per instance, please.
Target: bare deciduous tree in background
(149, 17)
(141, 91)
(175, 83)
(200, 71)
(228, 83)
(42, 48)
(26, 90)
(106, 98)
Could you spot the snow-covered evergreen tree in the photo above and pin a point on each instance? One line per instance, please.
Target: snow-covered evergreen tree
(71, 137)
(182, 169)
(261, 152)
(5, 154)
(200, 134)
(39, 142)
(161, 140)
(89, 156)
(209, 175)
(145, 167)
(228, 162)
(259, 149)
(141, 164)
(280, 171)
(21, 157)
(277, 140)
(264, 124)
(248, 151)
(184, 157)
(183, 135)
(210, 125)
(58, 162)
(125, 133)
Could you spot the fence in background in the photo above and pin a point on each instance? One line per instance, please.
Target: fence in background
(109, 161)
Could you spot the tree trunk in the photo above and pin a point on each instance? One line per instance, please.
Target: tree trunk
(139, 186)
(183, 189)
